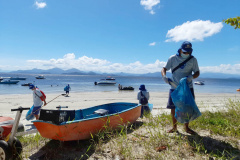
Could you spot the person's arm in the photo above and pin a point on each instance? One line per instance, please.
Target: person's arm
(196, 74)
(163, 72)
(138, 95)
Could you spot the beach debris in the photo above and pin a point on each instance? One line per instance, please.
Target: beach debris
(161, 148)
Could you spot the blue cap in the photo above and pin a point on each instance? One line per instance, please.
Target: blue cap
(142, 87)
(186, 47)
(31, 86)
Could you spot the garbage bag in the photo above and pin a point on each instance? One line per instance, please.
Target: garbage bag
(29, 115)
(186, 109)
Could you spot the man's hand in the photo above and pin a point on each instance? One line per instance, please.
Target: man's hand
(190, 78)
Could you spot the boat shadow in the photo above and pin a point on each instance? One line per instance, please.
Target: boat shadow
(205, 144)
(72, 150)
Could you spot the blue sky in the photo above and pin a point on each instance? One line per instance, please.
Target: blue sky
(133, 36)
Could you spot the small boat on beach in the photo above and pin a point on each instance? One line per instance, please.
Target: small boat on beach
(8, 82)
(70, 125)
(40, 77)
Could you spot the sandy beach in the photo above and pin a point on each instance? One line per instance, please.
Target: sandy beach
(159, 100)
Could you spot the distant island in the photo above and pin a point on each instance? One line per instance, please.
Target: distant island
(75, 71)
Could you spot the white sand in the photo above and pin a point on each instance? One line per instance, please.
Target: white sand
(79, 100)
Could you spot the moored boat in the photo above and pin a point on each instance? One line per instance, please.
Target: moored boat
(26, 84)
(110, 78)
(17, 78)
(40, 77)
(69, 125)
(238, 89)
(8, 82)
(199, 82)
(105, 83)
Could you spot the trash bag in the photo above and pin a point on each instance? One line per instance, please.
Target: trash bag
(29, 115)
(186, 108)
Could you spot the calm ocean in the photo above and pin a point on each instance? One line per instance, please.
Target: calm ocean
(85, 83)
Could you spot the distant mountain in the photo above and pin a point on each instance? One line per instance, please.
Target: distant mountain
(72, 71)
(75, 71)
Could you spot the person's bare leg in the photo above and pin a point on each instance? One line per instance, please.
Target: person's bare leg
(174, 121)
(37, 117)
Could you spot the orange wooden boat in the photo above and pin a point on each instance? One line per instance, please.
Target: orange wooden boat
(238, 89)
(69, 125)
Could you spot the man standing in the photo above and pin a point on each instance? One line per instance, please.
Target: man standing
(38, 99)
(188, 68)
(67, 89)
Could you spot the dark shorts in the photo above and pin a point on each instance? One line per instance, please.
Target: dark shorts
(36, 110)
(170, 104)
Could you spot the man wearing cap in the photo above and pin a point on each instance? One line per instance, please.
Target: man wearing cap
(189, 69)
(37, 102)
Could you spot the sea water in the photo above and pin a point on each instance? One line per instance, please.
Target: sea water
(85, 83)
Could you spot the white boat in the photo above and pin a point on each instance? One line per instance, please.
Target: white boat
(199, 83)
(40, 77)
(110, 78)
(105, 83)
(8, 82)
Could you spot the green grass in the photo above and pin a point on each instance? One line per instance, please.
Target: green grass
(141, 139)
(225, 123)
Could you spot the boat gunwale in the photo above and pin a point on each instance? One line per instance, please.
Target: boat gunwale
(86, 119)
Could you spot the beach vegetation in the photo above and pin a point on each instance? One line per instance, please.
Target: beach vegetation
(218, 138)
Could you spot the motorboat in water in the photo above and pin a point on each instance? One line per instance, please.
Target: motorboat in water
(40, 77)
(199, 82)
(103, 82)
(26, 84)
(130, 88)
(70, 125)
(109, 78)
(8, 82)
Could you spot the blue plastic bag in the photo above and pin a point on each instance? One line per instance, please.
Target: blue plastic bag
(186, 108)
(29, 115)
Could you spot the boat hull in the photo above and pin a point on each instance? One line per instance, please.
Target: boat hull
(86, 128)
(17, 78)
(9, 82)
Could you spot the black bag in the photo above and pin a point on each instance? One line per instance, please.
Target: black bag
(143, 100)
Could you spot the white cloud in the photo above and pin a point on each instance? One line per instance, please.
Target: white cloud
(149, 4)
(223, 68)
(152, 44)
(85, 63)
(40, 5)
(193, 31)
